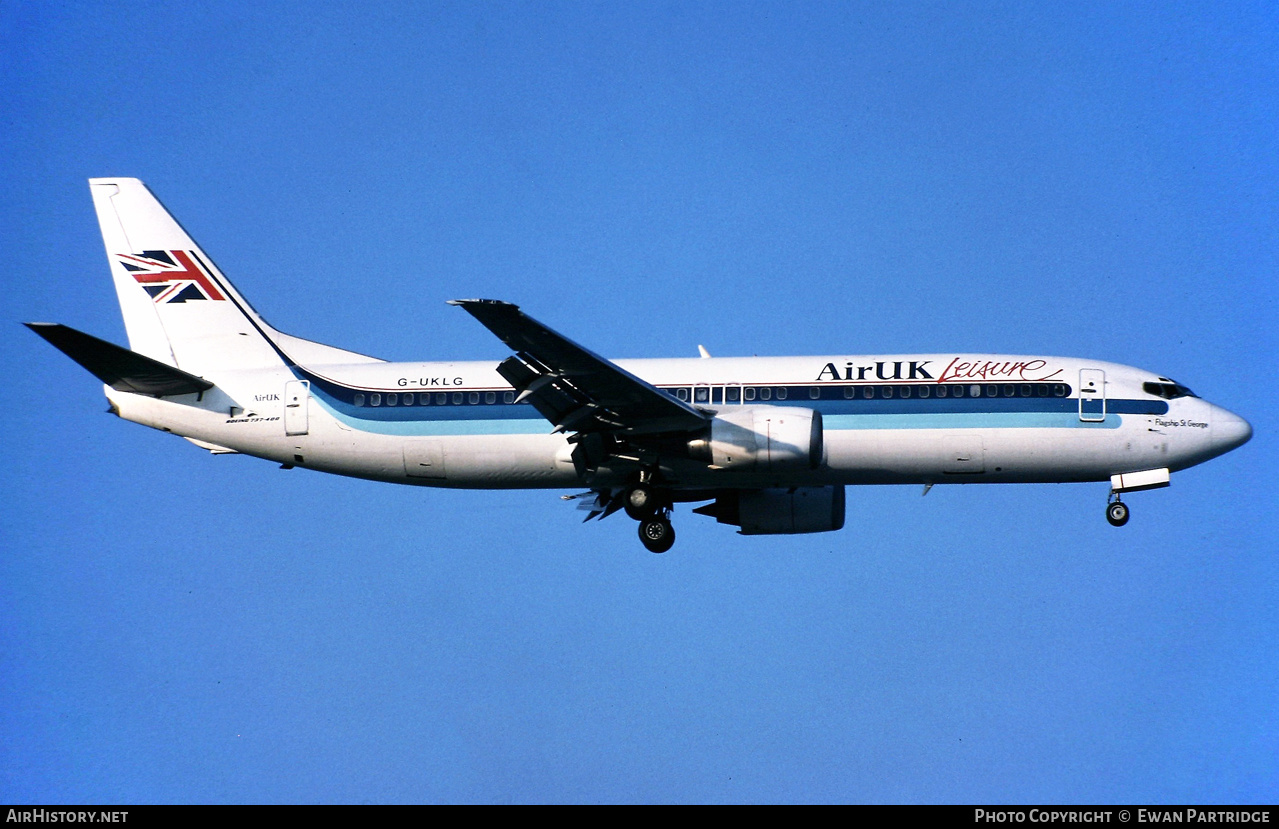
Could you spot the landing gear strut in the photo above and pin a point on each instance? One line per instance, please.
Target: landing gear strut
(1116, 511)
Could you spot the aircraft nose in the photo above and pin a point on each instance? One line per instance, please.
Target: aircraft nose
(1229, 430)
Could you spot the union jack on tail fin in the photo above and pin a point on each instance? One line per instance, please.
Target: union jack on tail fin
(179, 309)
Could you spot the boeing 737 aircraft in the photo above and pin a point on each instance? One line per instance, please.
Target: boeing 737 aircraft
(767, 443)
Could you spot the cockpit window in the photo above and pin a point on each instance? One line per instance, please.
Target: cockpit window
(1167, 389)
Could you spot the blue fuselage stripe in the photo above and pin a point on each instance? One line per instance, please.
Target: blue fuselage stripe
(507, 419)
(502, 418)
(968, 420)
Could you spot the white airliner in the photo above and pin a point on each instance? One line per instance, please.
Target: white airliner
(768, 443)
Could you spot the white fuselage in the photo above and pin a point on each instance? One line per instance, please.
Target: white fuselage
(934, 418)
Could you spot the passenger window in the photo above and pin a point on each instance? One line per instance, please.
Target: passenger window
(924, 391)
(905, 391)
(426, 399)
(942, 391)
(749, 392)
(473, 398)
(441, 398)
(814, 393)
(849, 391)
(1041, 390)
(1025, 391)
(408, 400)
(766, 393)
(375, 400)
(868, 392)
(781, 392)
(1059, 390)
(701, 394)
(974, 391)
(359, 400)
(1010, 391)
(508, 397)
(992, 391)
(885, 392)
(392, 399)
(457, 398)
(490, 397)
(734, 394)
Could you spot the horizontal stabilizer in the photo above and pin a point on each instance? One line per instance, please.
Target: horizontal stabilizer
(119, 368)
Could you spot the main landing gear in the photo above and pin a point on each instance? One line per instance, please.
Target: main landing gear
(657, 534)
(652, 510)
(640, 502)
(1116, 511)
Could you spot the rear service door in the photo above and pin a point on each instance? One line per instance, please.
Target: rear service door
(297, 394)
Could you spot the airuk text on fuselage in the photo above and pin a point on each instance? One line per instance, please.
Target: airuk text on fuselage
(1033, 370)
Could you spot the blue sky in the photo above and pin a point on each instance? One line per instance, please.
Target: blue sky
(1083, 179)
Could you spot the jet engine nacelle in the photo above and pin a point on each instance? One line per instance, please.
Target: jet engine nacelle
(803, 509)
(762, 439)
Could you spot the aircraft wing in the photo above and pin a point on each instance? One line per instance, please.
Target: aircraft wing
(574, 388)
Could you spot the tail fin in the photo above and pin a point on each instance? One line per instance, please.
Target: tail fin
(178, 307)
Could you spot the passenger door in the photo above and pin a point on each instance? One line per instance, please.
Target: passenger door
(1092, 395)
